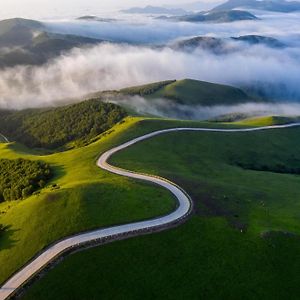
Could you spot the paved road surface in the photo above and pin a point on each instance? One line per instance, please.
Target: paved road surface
(183, 209)
(4, 138)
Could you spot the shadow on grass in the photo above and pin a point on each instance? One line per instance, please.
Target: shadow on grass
(58, 171)
(6, 240)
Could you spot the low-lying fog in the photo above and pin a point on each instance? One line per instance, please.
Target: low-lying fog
(166, 108)
(111, 66)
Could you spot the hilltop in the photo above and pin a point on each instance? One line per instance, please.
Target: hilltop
(224, 16)
(28, 42)
(191, 92)
(273, 5)
(224, 45)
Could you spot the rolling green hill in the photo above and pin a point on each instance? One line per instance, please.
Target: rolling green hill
(79, 197)
(62, 127)
(191, 92)
(245, 119)
(242, 240)
(267, 121)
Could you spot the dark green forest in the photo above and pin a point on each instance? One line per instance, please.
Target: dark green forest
(20, 178)
(54, 128)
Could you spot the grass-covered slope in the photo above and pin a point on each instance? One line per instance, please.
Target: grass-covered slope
(242, 242)
(146, 89)
(267, 121)
(61, 127)
(191, 92)
(244, 119)
(79, 197)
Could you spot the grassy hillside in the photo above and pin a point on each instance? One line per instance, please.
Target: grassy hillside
(79, 197)
(61, 127)
(267, 121)
(191, 92)
(242, 241)
(147, 89)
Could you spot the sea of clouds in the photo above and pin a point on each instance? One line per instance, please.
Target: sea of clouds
(137, 53)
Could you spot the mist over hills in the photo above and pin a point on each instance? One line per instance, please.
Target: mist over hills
(224, 16)
(27, 42)
(225, 45)
(49, 62)
(273, 5)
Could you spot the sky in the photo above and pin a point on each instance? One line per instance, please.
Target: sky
(41, 9)
(45, 9)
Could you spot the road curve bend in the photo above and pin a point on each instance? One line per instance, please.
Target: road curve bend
(4, 138)
(184, 207)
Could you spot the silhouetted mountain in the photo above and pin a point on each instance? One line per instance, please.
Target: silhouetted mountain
(271, 5)
(94, 18)
(27, 42)
(18, 32)
(215, 17)
(224, 45)
(260, 40)
(216, 45)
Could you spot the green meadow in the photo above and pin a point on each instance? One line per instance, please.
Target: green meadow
(83, 198)
(242, 240)
(79, 197)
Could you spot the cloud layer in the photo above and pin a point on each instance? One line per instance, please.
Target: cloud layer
(113, 66)
(110, 66)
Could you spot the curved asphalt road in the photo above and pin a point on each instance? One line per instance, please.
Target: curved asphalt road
(4, 138)
(183, 209)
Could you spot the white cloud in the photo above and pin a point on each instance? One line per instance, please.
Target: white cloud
(110, 66)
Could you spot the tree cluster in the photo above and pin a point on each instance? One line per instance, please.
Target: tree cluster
(20, 178)
(56, 127)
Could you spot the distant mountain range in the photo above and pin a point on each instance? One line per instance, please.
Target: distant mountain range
(224, 45)
(214, 17)
(94, 18)
(155, 10)
(27, 42)
(271, 5)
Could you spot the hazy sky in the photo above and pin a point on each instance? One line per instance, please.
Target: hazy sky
(45, 8)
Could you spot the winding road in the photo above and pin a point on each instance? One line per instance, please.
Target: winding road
(183, 209)
(4, 138)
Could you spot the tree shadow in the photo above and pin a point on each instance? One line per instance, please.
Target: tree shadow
(58, 171)
(6, 240)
